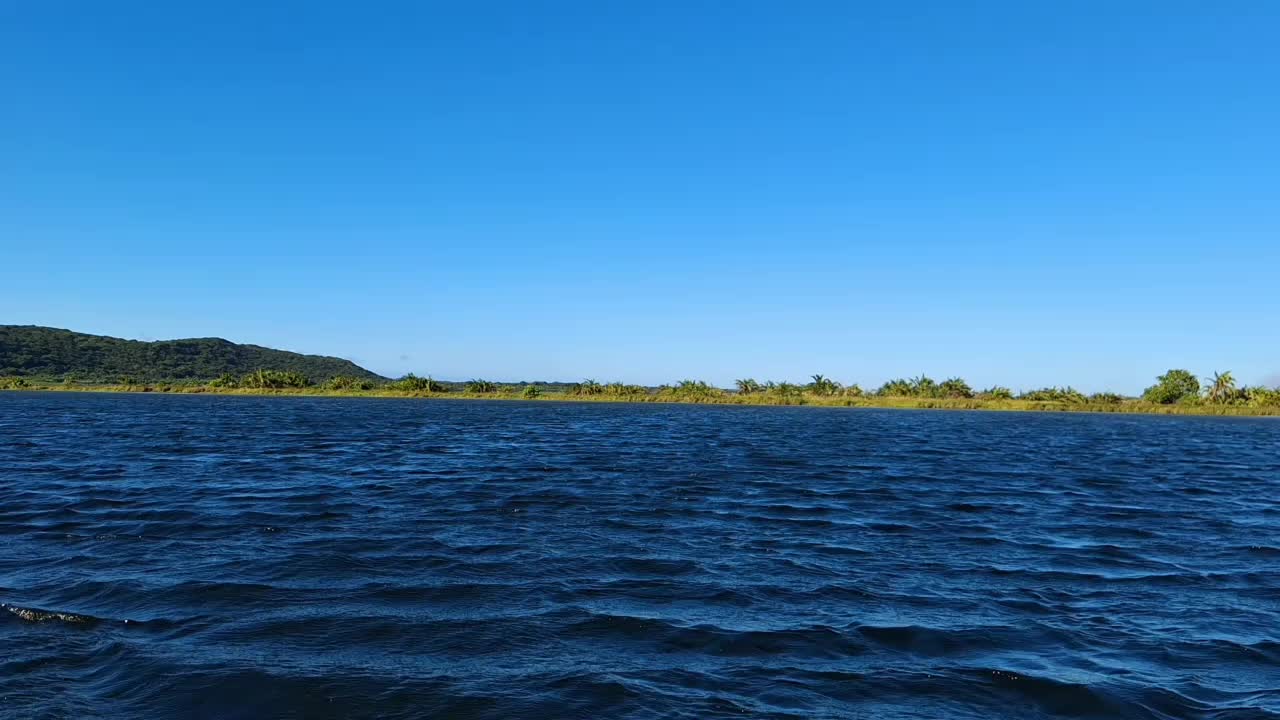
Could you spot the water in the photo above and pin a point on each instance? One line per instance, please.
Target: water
(211, 557)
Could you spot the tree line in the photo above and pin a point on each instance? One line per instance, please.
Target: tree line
(1176, 386)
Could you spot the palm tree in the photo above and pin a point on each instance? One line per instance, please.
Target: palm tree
(747, 386)
(924, 386)
(785, 389)
(695, 388)
(895, 388)
(822, 385)
(1223, 387)
(955, 388)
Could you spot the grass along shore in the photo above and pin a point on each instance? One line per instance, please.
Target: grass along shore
(920, 393)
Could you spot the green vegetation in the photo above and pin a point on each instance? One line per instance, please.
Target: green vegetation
(349, 383)
(274, 380)
(1221, 396)
(925, 387)
(413, 384)
(586, 388)
(49, 353)
(481, 387)
(1173, 386)
(1055, 394)
(46, 359)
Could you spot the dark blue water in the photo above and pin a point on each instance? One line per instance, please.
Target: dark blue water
(210, 557)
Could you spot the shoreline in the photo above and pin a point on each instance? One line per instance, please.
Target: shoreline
(1128, 407)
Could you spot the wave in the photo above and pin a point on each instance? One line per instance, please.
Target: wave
(37, 615)
(410, 559)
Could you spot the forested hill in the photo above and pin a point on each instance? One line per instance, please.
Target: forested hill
(31, 351)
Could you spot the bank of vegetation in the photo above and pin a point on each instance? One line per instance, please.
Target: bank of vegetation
(1175, 392)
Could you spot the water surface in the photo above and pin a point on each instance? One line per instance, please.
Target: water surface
(232, 557)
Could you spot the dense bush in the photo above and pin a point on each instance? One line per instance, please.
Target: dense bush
(1261, 396)
(481, 387)
(823, 386)
(924, 386)
(692, 391)
(784, 390)
(274, 380)
(955, 388)
(12, 383)
(225, 380)
(621, 390)
(1054, 394)
(896, 388)
(586, 388)
(413, 383)
(1172, 387)
(347, 382)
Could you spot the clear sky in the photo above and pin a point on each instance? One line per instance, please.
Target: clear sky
(1018, 192)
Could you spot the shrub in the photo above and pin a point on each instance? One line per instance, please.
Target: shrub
(694, 390)
(617, 389)
(1261, 396)
(346, 382)
(784, 390)
(997, 392)
(896, 388)
(1171, 387)
(225, 380)
(1106, 398)
(413, 383)
(1054, 394)
(955, 388)
(924, 386)
(822, 385)
(273, 380)
(481, 387)
(12, 383)
(530, 392)
(586, 388)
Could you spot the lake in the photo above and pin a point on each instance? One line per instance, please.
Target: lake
(237, 557)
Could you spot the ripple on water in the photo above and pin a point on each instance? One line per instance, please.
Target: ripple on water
(245, 557)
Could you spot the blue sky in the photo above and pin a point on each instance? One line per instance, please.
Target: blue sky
(1013, 192)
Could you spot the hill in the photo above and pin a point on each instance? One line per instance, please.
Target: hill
(31, 351)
